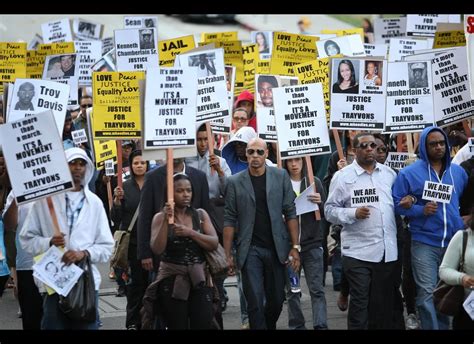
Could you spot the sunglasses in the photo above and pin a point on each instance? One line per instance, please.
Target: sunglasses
(365, 145)
(86, 106)
(251, 151)
(382, 149)
(240, 119)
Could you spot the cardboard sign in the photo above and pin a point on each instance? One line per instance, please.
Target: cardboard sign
(437, 192)
(233, 56)
(364, 197)
(170, 108)
(425, 24)
(409, 97)
(117, 105)
(223, 125)
(386, 28)
(346, 45)
(137, 22)
(396, 161)
(376, 50)
(57, 31)
(264, 42)
(79, 136)
(109, 168)
(32, 145)
(86, 30)
(89, 53)
(136, 49)
(358, 102)
(300, 120)
(171, 48)
(12, 61)
(291, 49)
(32, 96)
(104, 150)
(400, 47)
(250, 57)
(218, 36)
(265, 85)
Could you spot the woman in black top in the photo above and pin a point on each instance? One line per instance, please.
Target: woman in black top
(185, 295)
(126, 202)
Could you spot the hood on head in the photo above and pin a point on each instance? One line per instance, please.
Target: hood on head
(244, 134)
(422, 145)
(245, 95)
(78, 153)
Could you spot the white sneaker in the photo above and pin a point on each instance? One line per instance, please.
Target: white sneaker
(411, 322)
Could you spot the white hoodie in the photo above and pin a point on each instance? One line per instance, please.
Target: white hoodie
(90, 232)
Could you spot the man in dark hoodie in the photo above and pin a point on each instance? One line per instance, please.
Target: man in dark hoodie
(432, 224)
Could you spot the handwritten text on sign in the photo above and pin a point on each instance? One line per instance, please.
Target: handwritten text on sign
(437, 192)
(364, 197)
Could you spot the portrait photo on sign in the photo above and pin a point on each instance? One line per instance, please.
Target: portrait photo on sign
(204, 63)
(150, 22)
(263, 40)
(60, 66)
(417, 75)
(87, 29)
(26, 94)
(229, 71)
(265, 86)
(373, 73)
(146, 39)
(345, 76)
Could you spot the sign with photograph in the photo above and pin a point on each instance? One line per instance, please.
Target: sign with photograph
(89, 52)
(346, 45)
(138, 22)
(223, 125)
(409, 97)
(170, 48)
(264, 42)
(400, 47)
(358, 93)
(136, 49)
(33, 146)
(86, 30)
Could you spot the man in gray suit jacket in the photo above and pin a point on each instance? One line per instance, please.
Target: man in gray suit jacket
(256, 199)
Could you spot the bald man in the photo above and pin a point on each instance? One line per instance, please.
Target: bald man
(256, 199)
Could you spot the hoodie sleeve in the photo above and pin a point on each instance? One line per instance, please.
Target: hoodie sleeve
(101, 250)
(31, 236)
(400, 189)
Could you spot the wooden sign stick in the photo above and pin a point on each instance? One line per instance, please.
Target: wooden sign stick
(309, 169)
(169, 180)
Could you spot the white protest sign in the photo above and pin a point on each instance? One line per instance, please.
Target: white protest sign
(303, 204)
(264, 85)
(300, 119)
(409, 97)
(170, 108)
(34, 42)
(350, 45)
(364, 197)
(400, 47)
(212, 100)
(89, 53)
(357, 97)
(86, 30)
(34, 96)
(73, 83)
(468, 305)
(109, 168)
(386, 28)
(79, 136)
(107, 45)
(376, 50)
(57, 31)
(451, 88)
(32, 145)
(437, 192)
(425, 24)
(136, 49)
(106, 63)
(469, 32)
(470, 142)
(223, 125)
(396, 161)
(137, 22)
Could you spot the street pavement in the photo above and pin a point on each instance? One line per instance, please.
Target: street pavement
(112, 308)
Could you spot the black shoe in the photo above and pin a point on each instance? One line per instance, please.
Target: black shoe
(120, 292)
(223, 305)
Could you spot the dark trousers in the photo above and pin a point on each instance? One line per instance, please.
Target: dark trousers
(31, 302)
(196, 313)
(263, 281)
(408, 281)
(136, 289)
(371, 288)
(463, 321)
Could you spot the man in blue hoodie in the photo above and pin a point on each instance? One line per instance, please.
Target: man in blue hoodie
(432, 224)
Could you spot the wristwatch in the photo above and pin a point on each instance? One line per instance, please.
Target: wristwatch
(298, 247)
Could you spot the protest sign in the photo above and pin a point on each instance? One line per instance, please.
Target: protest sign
(104, 150)
(386, 28)
(136, 49)
(396, 161)
(346, 45)
(437, 192)
(89, 52)
(425, 24)
(170, 48)
(380, 50)
(33, 146)
(264, 43)
(79, 136)
(86, 30)
(364, 197)
(57, 31)
(12, 61)
(138, 22)
(400, 47)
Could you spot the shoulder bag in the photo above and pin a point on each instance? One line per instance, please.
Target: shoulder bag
(122, 239)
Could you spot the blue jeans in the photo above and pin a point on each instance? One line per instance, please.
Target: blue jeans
(312, 263)
(263, 280)
(54, 318)
(336, 269)
(244, 317)
(425, 260)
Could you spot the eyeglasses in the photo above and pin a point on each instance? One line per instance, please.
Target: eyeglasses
(365, 145)
(84, 106)
(251, 151)
(240, 119)
(442, 143)
(382, 149)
